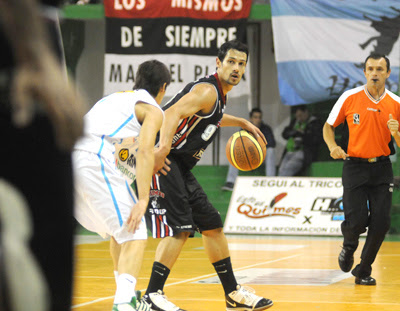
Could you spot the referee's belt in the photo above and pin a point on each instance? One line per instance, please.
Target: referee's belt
(368, 160)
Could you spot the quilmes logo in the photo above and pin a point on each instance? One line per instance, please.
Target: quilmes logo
(269, 210)
(333, 206)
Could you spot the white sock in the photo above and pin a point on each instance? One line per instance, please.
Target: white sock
(116, 276)
(126, 284)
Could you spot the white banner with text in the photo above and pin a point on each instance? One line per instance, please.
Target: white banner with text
(185, 35)
(286, 205)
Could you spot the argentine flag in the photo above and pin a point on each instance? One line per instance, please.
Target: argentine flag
(321, 45)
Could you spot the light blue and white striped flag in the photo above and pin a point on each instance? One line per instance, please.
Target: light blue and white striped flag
(321, 45)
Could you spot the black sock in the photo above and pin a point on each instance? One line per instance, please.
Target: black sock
(225, 274)
(159, 275)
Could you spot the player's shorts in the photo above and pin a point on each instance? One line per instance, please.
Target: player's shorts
(103, 199)
(179, 204)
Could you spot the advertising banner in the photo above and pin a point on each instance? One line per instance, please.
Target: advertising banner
(183, 34)
(285, 205)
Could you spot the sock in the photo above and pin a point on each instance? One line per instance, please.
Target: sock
(126, 284)
(225, 274)
(116, 276)
(159, 275)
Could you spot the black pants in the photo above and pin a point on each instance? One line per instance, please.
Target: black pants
(31, 161)
(367, 200)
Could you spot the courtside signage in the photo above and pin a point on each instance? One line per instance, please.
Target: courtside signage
(285, 205)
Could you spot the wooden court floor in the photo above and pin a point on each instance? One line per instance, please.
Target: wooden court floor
(297, 273)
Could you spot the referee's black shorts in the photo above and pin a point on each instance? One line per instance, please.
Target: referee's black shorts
(179, 204)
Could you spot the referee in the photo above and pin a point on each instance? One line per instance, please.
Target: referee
(371, 115)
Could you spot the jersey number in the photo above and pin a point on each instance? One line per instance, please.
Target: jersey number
(208, 132)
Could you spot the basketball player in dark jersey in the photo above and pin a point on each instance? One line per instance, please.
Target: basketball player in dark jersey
(41, 116)
(178, 205)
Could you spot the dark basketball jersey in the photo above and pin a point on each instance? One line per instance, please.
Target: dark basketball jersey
(196, 132)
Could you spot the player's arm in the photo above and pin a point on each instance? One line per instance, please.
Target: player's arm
(329, 137)
(200, 100)
(229, 120)
(151, 118)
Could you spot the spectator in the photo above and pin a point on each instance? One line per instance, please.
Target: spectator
(304, 135)
(270, 169)
(41, 117)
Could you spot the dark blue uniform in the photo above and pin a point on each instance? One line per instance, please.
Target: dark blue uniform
(177, 201)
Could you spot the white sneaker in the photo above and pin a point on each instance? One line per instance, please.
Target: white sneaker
(132, 306)
(245, 299)
(159, 302)
(142, 305)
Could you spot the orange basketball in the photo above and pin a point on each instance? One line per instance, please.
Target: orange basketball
(245, 152)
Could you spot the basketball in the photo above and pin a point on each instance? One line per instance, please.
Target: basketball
(244, 151)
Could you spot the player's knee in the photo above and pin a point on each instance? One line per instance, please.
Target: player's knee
(212, 232)
(135, 245)
(182, 235)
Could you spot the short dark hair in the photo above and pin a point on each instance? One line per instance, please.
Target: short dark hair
(255, 110)
(151, 76)
(377, 56)
(232, 45)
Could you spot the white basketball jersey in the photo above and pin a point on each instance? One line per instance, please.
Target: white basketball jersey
(111, 120)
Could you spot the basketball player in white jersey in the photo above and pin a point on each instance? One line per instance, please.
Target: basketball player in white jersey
(105, 202)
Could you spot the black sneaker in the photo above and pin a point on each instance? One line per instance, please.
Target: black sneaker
(228, 186)
(159, 302)
(244, 299)
(346, 259)
(369, 280)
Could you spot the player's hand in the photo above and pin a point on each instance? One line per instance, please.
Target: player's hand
(393, 125)
(338, 153)
(250, 127)
(135, 217)
(45, 83)
(161, 163)
(165, 169)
